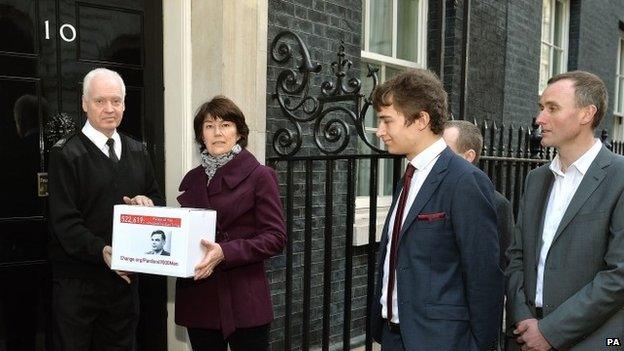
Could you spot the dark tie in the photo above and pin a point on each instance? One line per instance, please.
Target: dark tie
(396, 229)
(111, 150)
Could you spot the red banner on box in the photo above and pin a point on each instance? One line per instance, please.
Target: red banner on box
(150, 220)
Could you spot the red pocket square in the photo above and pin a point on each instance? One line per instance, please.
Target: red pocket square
(430, 217)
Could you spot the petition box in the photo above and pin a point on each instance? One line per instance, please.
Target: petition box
(160, 240)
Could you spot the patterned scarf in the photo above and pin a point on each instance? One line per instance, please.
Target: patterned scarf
(212, 163)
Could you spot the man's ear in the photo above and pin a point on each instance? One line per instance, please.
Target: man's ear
(423, 120)
(84, 103)
(470, 155)
(589, 113)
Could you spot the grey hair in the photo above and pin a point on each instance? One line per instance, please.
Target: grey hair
(86, 83)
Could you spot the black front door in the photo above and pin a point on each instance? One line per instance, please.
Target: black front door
(46, 47)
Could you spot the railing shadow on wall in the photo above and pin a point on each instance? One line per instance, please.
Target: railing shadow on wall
(323, 293)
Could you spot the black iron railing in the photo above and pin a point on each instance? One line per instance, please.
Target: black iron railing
(329, 282)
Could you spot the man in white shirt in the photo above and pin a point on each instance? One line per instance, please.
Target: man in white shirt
(566, 272)
(440, 285)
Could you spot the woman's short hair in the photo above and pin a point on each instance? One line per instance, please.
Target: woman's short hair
(220, 107)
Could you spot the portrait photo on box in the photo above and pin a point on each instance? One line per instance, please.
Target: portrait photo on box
(159, 243)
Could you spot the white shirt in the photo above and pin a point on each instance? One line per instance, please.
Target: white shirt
(423, 162)
(99, 139)
(563, 189)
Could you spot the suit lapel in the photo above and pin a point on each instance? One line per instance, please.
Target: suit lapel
(594, 176)
(546, 179)
(425, 192)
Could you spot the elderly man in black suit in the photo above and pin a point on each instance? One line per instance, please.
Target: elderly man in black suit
(93, 307)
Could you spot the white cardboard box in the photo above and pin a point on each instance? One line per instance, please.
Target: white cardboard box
(138, 244)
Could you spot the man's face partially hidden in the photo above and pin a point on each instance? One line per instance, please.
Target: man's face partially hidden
(451, 136)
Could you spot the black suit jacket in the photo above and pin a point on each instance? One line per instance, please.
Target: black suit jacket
(504, 216)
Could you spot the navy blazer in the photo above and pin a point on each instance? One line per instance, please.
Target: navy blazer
(449, 283)
(250, 229)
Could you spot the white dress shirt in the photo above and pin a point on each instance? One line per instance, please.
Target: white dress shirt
(563, 189)
(423, 162)
(99, 139)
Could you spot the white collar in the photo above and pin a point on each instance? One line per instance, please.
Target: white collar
(582, 163)
(425, 157)
(98, 138)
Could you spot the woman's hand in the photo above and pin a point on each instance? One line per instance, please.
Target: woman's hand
(214, 256)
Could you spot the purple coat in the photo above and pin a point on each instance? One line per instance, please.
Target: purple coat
(250, 229)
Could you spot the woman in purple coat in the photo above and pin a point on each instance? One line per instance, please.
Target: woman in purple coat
(228, 302)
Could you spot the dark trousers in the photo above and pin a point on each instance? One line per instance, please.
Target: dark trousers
(98, 314)
(391, 340)
(243, 339)
(151, 334)
(24, 305)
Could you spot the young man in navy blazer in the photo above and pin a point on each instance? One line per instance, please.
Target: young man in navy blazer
(440, 285)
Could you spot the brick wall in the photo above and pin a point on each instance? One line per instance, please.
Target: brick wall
(486, 67)
(452, 48)
(573, 34)
(593, 39)
(598, 33)
(323, 26)
(522, 61)
(503, 87)
(486, 52)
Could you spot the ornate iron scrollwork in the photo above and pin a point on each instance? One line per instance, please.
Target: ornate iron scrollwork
(340, 69)
(58, 126)
(292, 92)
